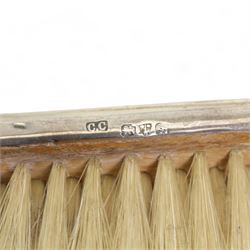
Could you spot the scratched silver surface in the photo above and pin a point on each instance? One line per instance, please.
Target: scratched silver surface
(125, 122)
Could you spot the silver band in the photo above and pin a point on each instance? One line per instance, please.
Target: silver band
(125, 122)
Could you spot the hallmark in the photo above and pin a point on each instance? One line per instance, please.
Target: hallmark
(97, 126)
(143, 129)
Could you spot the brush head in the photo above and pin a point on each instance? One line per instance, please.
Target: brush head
(153, 177)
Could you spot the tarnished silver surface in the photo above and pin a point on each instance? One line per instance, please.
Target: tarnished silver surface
(124, 122)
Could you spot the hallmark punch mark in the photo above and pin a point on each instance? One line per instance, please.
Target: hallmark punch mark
(97, 126)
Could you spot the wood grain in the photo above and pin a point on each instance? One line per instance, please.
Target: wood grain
(74, 154)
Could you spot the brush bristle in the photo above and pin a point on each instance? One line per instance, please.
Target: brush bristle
(130, 222)
(108, 185)
(218, 184)
(167, 217)
(182, 182)
(15, 210)
(73, 192)
(204, 230)
(37, 201)
(167, 209)
(53, 232)
(2, 190)
(91, 230)
(147, 189)
(248, 173)
(237, 204)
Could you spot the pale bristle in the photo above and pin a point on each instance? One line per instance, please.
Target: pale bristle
(37, 197)
(37, 201)
(73, 191)
(15, 220)
(53, 232)
(248, 173)
(2, 190)
(91, 230)
(129, 215)
(147, 189)
(219, 191)
(167, 215)
(182, 181)
(108, 185)
(237, 204)
(204, 230)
